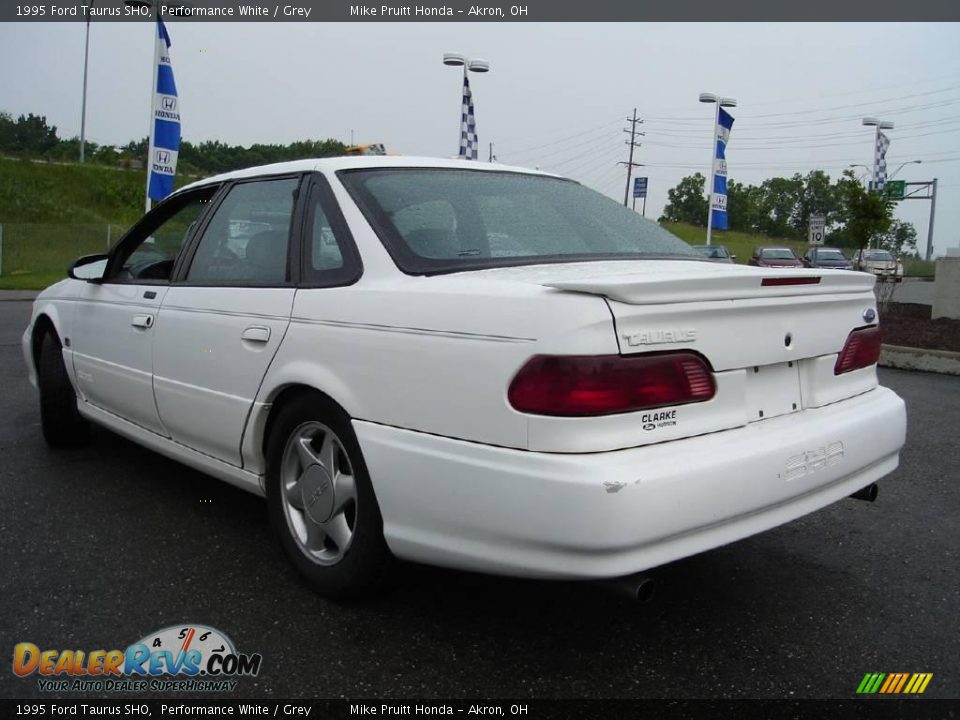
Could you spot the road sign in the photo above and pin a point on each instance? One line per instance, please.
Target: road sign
(895, 189)
(640, 187)
(818, 224)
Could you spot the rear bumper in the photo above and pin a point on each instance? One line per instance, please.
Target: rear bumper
(472, 506)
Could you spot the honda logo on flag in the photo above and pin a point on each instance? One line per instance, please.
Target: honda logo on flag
(163, 157)
(169, 103)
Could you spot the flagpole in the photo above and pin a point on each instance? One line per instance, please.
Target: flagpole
(719, 102)
(713, 169)
(153, 90)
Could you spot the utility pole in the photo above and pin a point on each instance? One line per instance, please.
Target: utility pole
(492, 156)
(633, 144)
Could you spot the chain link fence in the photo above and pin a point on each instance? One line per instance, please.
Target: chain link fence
(38, 254)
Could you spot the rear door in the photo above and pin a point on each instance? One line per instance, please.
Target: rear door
(225, 315)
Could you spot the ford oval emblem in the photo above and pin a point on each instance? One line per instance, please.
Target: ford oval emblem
(869, 315)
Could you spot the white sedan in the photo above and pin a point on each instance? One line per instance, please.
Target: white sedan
(468, 365)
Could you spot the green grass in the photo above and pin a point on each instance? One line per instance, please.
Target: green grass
(740, 244)
(53, 213)
(919, 268)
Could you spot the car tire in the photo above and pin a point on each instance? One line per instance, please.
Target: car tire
(61, 422)
(321, 502)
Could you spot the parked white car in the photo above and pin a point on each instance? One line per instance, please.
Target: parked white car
(468, 365)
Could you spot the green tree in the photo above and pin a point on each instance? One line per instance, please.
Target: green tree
(778, 201)
(866, 215)
(31, 134)
(7, 129)
(818, 197)
(687, 202)
(744, 207)
(900, 238)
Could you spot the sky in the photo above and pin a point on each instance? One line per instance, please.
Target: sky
(557, 95)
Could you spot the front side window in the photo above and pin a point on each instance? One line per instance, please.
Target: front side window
(445, 220)
(152, 252)
(247, 238)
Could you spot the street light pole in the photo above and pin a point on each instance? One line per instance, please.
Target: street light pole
(83, 101)
(476, 65)
(902, 166)
(718, 102)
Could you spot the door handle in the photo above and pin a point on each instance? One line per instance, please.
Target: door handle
(142, 321)
(257, 334)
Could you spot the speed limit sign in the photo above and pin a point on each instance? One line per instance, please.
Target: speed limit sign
(818, 224)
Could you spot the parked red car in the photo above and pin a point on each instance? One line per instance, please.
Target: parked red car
(774, 257)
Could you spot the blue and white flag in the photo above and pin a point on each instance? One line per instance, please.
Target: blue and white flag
(718, 198)
(468, 125)
(165, 133)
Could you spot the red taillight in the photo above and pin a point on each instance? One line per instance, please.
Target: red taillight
(583, 385)
(861, 350)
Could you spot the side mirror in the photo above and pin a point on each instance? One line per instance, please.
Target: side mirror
(733, 257)
(89, 268)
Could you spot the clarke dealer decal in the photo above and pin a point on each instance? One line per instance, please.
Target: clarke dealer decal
(183, 658)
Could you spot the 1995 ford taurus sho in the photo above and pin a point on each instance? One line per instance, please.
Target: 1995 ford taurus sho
(468, 365)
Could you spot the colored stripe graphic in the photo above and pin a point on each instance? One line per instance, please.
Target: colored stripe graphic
(894, 683)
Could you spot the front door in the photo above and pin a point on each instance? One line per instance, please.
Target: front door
(116, 319)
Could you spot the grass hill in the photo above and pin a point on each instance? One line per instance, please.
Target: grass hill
(740, 244)
(52, 213)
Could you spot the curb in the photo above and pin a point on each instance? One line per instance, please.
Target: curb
(944, 362)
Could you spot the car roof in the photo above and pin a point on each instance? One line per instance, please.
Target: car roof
(334, 164)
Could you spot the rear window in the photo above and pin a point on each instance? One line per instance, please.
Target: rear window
(831, 255)
(777, 254)
(878, 255)
(711, 251)
(435, 220)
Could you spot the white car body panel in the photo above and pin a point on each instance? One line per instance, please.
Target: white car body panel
(422, 366)
(112, 357)
(212, 347)
(608, 514)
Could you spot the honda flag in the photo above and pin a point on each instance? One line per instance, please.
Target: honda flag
(718, 198)
(165, 128)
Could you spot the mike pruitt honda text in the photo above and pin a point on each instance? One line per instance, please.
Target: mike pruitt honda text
(433, 11)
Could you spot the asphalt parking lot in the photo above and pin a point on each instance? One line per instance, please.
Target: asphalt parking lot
(104, 544)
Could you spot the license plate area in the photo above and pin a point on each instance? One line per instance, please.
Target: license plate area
(773, 390)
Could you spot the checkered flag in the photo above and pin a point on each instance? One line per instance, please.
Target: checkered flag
(880, 162)
(468, 125)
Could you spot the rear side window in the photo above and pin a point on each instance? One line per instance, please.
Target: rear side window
(445, 220)
(329, 257)
(247, 239)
